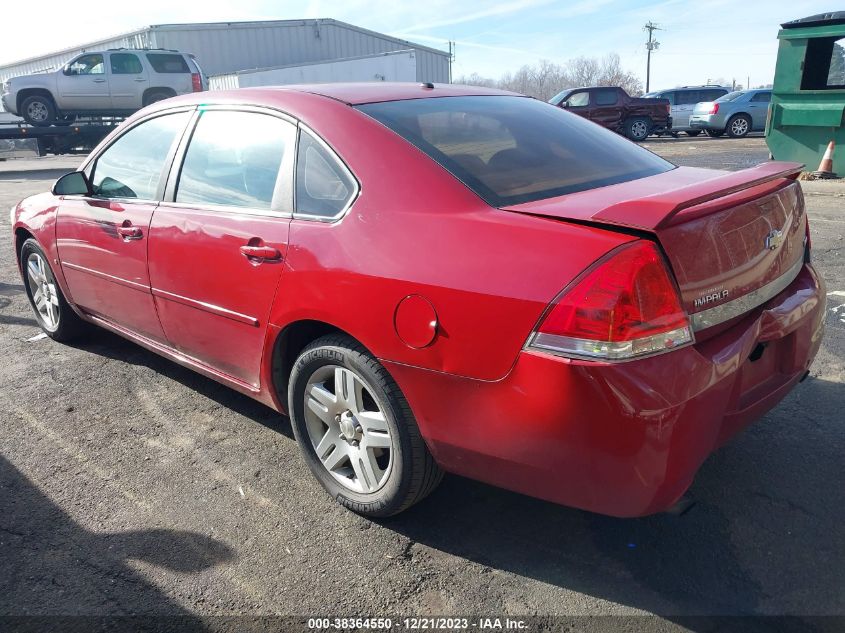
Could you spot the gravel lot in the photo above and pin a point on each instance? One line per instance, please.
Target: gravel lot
(130, 485)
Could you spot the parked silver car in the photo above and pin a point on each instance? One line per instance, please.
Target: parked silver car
(683, 101)
(115, 82)
(737, 113)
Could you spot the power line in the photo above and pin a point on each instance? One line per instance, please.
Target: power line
(651, 45)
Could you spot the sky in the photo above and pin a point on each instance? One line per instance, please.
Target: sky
(699, 41)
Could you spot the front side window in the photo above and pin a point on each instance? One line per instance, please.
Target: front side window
(126, 64)
(86, 65)
(233, 159)
(132, 166)
(324, 186)
(511, 150)
(578, 100)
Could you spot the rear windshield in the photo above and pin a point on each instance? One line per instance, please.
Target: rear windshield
(511, 150)
(164, 63)
(730, 96)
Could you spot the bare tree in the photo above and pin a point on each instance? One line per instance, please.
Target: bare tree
(546, 79)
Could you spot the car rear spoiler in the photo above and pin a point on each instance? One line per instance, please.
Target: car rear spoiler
(657, 211)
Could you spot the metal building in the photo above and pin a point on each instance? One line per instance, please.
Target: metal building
(226, 47)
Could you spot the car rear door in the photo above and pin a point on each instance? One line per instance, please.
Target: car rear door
(605, 106)
(758, 106)
(102, 239)
(218, 241)
(685, 101)
(127, 81)
(83, 84)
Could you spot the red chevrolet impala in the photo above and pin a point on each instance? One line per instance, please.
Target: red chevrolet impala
(433, 278)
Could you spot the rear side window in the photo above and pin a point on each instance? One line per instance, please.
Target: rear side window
(605, 97)
(764, 97)
(687, 97)
(511, 150)
(711, 95)
(126, 64)
(131, 167)
(324, 186)
(168, 63)
(233, 159)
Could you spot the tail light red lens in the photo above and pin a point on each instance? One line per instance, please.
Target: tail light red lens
(714, 109)
(626, 306)
(196, 82)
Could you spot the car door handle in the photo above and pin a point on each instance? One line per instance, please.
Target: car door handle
(140, 79)
(130, 232)
(99, 81)
(261, 252)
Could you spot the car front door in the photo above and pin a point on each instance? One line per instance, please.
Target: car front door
(83, 84)
(218, 242)
(127, 81)
(102, 239)
(758, 106)
(579, 103)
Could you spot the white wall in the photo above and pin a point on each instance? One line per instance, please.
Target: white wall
(400, 66)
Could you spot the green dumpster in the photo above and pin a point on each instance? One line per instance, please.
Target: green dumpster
(808, 94)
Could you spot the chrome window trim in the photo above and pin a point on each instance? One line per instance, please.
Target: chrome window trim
(327, 219)
(749, 301)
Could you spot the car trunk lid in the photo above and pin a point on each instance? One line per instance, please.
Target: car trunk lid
(733, 239)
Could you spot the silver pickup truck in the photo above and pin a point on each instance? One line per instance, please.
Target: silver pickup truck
(116, 82)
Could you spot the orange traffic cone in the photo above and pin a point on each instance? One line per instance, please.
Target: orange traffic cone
(825, 169)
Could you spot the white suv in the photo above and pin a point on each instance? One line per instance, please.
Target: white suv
(116, 82)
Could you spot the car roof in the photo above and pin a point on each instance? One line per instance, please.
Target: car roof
(373, 92)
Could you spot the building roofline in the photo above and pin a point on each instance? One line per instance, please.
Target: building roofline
(223, 25)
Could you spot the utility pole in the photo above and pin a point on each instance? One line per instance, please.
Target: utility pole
(651, 45)
(451, 58)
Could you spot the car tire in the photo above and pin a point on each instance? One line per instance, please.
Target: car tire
(38, 110)
(693, 132)
(156, 95)
(715, 133)
(52, 312)
(372, 458)
(738, 126)
(637, 129)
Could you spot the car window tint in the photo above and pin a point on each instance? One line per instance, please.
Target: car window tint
(86, 65)
(324, 187)
(168, 63)
(579, 99)
(730, 96)
(126, 64)
(515, 149)
(605, 97)
(131, 166)
(233, 159)
(763, 97)
(688, 97)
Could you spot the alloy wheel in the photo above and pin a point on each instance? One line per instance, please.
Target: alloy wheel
(42, 285)
(739, 127)
(639, 129)
(348, 429)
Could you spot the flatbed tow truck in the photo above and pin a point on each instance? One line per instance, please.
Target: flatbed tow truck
(80, 136)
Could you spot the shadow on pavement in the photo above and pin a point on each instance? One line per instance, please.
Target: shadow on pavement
(769, 518)
(51, 565)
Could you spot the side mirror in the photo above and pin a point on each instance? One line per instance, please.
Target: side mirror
(72, 184)
(564, 104)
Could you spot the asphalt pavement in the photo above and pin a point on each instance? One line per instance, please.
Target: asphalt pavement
(131, 485)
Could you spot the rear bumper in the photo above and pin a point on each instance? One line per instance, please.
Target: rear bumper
(706, 122)
(622, 439)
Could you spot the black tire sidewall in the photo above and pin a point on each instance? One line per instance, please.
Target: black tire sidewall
(389, 499)
(629, 124)
(51, 110)
(730, 123)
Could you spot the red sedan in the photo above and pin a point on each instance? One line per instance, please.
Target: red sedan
(440, 278)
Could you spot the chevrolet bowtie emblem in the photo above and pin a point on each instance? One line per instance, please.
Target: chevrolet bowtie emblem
(774, 239)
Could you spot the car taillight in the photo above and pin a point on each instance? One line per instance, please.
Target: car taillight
(625, 306)
(196, 82)
(714, 109)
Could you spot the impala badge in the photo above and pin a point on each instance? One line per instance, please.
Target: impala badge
(774, 239)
